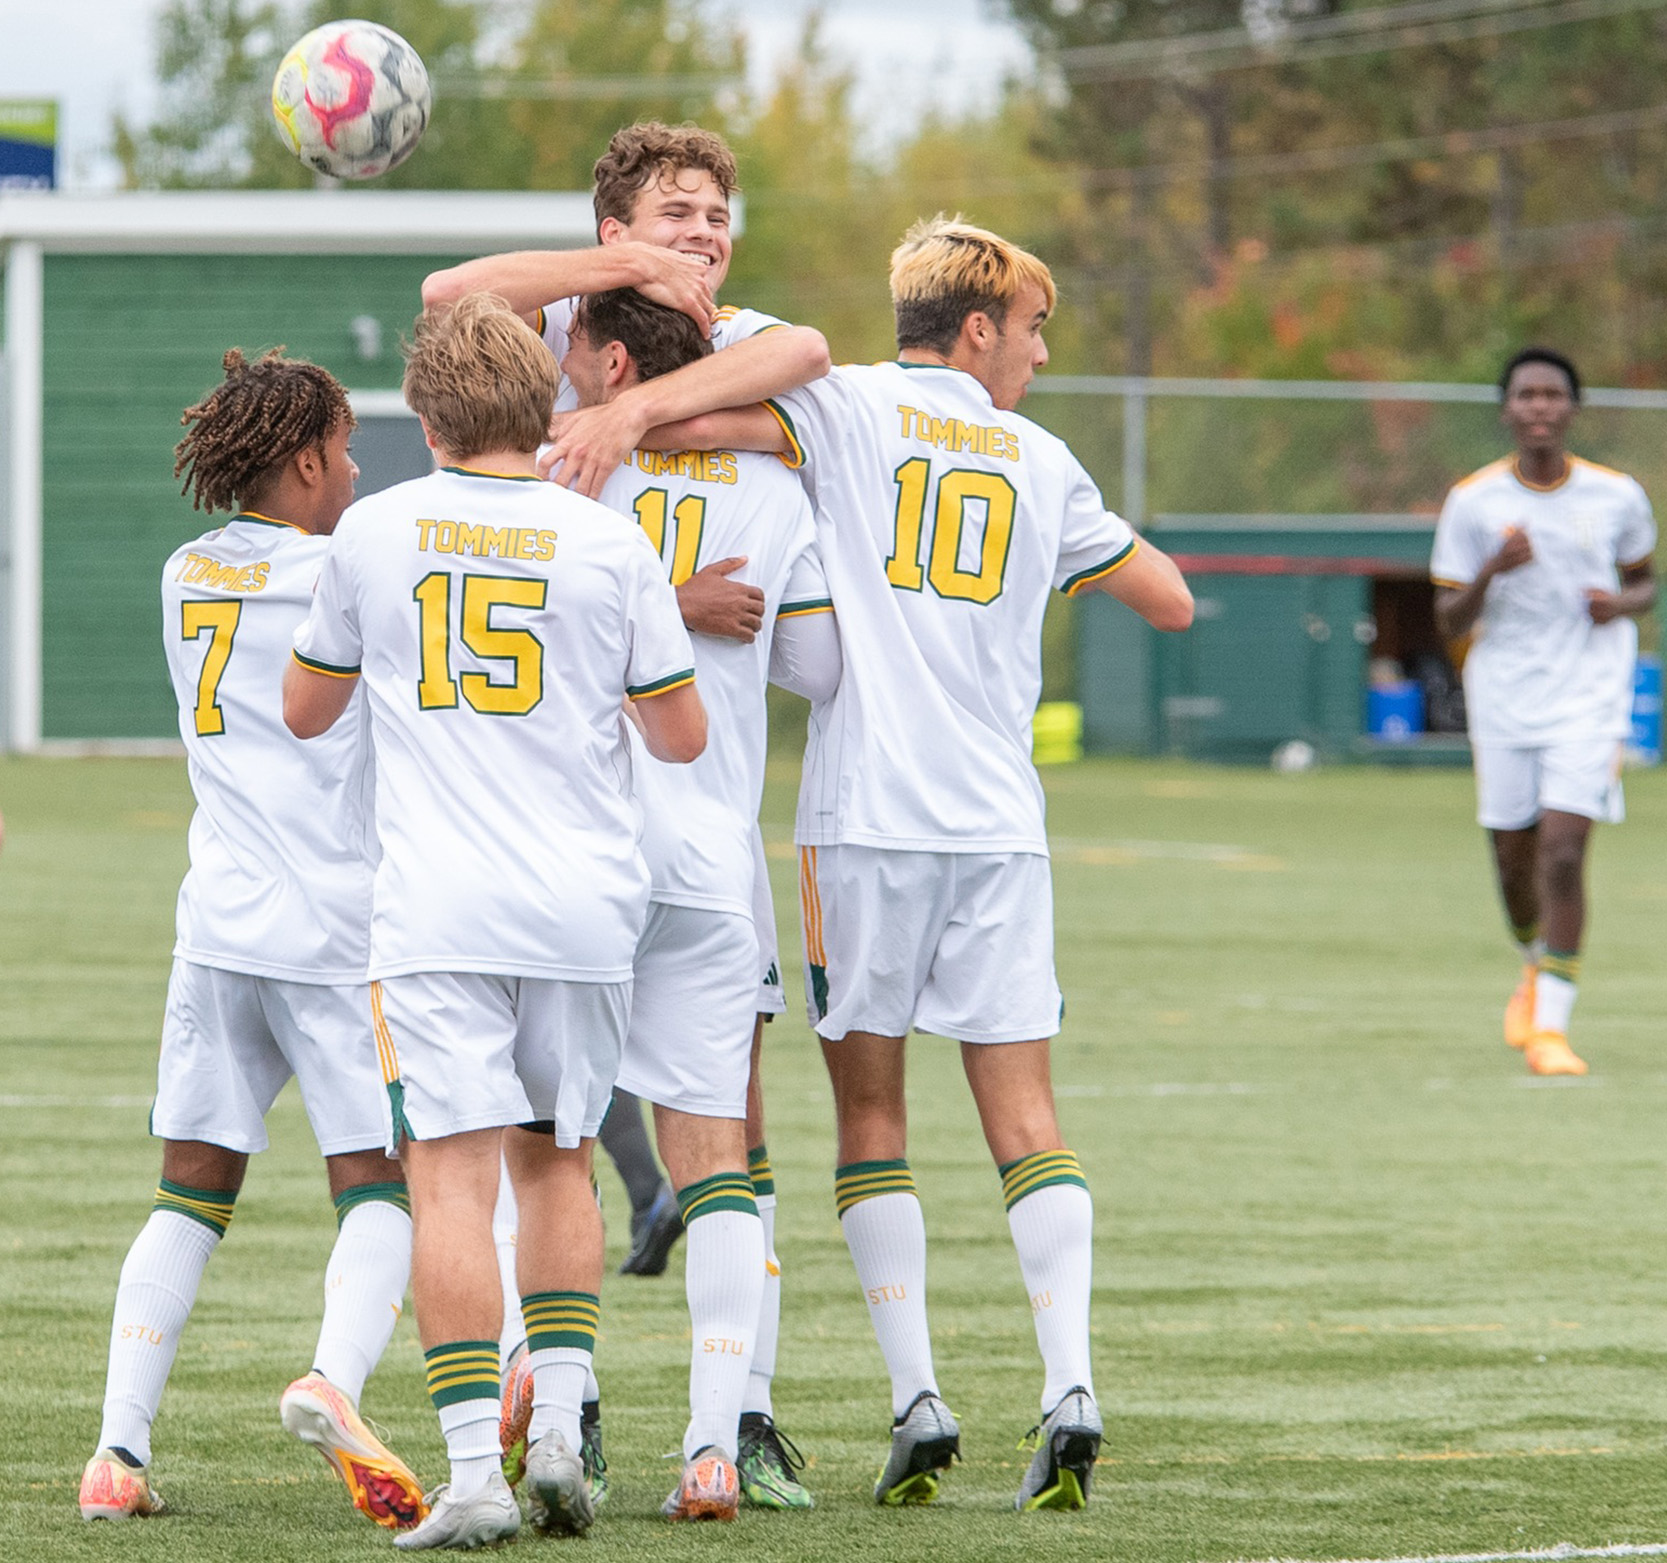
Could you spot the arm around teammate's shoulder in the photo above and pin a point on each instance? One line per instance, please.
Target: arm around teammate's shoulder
(1151, 583)
(673, 723)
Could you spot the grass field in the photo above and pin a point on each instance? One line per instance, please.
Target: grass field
(1364, 1289)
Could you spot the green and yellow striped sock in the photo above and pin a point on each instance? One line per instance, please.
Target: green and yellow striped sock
(1039, 1171)
(721, 1191)
(556, 1319)
(1560, 963)
(395, 1194)
(462, 1370)
(212, 1207)
(860, 1180)
(758, 1167)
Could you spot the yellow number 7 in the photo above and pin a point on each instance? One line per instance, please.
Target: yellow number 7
(221, 618)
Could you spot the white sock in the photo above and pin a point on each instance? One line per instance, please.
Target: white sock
(886, 1234)
(364, 1291)
(769, 1317)
(153, 1300)
(560, 1374)
(505, 1223)
(1553, 1002)
(723, 1278)
(1053, 1230)
(471, 1429)
(593, 1390)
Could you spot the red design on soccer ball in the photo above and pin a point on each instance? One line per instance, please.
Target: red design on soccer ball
(358, 98)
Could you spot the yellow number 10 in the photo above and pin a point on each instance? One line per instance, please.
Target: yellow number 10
(958, 491)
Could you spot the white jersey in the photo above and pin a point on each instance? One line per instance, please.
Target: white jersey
(555, 322)
(282, 844)
(498, 623)
(942, 523)
(1539, 670)
(698, 507)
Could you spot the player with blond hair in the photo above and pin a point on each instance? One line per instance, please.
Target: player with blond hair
(497, 624)
(269, 967)
(943, 521)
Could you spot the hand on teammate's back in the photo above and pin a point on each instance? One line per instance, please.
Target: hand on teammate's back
(712, 604)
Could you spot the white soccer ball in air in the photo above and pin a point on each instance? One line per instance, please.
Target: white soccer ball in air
(1297, 755)
(351, 100)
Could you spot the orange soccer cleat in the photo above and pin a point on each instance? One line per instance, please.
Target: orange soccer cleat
(1519, 1011)
(379, 1482)
(114, 1486)
(1549, 1053)
(709, 1490)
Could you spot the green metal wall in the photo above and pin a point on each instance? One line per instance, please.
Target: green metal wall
(130, 341)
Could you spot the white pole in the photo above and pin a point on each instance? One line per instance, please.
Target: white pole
(25, 309)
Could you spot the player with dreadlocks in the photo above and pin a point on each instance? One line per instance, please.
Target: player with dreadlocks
(273, 922)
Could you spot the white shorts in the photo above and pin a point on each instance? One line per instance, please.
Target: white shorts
(696, 991)
(229, 1043)
(1514, 787)
(772, 998)
(469, 1050)
(959, 944)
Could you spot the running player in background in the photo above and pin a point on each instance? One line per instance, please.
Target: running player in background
(662, 219)
(943, 520)
(498, 624)
(697, 967)
(1545, 560)
(273, 922)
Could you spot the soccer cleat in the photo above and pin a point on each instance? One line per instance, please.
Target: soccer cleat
(1549, 1053)
(379, 1482)
(461, 1525)
(114, 1486)
(925, 1440)
(769, 1465)
(709, 1490)
(515, 1414)
(653, 1236)
(558, 1495)
(1519, 1011)
(1066, 1444)
(590, 1451)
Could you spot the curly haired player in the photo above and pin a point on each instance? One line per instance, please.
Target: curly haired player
(273, 935)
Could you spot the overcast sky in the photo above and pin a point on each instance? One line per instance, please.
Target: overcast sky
(94, 57)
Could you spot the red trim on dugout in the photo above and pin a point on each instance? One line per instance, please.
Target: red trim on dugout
(1298, 564)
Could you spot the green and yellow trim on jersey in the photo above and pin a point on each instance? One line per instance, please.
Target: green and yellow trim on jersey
(797, 610)
(1086, 578)
(349, 1200)
(1044, 1169)
(1490, 470)
(502, 477)
(462, 1370)
(795, 458)
(661, 686)
(721, 1191)
(556, 1319)
(543, 320)
(211, 1208)
(758, 1169)
(730, 311)
(860, 1180)
(1543, 488)
(312, 665)
(255, 515)
(1447, 585)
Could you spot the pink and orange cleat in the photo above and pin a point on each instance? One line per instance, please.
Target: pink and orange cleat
(379, 1482)
(114, 1486)
(709, 1490)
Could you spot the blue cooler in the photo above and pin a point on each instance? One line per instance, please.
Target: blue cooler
(1644, 745)
(1395, 712)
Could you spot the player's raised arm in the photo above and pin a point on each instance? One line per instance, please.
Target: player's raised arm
(1151, 583)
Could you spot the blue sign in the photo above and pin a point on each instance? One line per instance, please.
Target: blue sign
(28, 144)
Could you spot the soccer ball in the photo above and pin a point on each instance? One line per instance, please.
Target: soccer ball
(351, 100)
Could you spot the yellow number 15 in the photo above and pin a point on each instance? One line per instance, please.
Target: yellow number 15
(437, 690)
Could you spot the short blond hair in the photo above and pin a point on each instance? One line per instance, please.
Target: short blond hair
(480, 377)
(945, 269)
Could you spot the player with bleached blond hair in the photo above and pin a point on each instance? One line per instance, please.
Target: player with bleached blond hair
(943, 521)
(497, 624)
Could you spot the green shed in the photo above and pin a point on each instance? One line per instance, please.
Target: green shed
(117, 310)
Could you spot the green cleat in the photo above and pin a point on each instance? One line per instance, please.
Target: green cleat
(769, 1465)
(590, 1451)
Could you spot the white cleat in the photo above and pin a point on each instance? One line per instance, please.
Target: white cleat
(461, 1525)
(1067, 1445)
(925, 1440)
(558, 1492)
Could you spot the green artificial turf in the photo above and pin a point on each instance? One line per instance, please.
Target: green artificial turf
(1364, 1289)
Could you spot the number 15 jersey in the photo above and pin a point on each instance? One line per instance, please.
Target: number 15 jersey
(498, 623)
(942, 523)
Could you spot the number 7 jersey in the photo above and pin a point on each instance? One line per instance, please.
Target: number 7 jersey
(282, 843)
(942, 523)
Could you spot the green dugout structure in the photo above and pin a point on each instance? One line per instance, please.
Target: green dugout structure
(117, 311)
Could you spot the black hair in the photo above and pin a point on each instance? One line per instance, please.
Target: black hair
(1539, 355)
